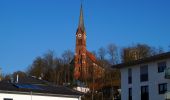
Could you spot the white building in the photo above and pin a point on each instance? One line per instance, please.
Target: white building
(145, 79)
(82, 89)
(15, 95)
(30, 88)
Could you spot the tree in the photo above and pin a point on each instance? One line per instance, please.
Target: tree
(67, 56)
(135, 52)
(43, 67)
(7, 77)
(160, 50)
(102, 53)
(113, 53)
(38, 67)
(53, 69)
(94, 53)
(20, 74)
(1, 74)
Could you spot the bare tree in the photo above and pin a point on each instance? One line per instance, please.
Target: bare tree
(67, 56)
(136, 52)
(49, 59)
(160, 50)
(94, 53)
(51, 68)
(1, 74)
(37, 67)
(102, 53)
(112, 50)
(155, 51)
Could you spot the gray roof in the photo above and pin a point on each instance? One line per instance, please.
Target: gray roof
(34, 85)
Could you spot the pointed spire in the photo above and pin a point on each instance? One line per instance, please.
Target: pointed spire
(81, 20)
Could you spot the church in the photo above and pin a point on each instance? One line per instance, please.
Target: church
(87, 69)
(91, 74)
(85, 62)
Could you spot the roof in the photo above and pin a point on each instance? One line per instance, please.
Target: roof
(143, 60)
(81, 20)
(30, 84)
(91, 56)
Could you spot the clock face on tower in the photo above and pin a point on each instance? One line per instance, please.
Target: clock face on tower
(79, 35)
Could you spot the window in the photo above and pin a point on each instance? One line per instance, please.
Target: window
(144, 93)
(129, 75)
(144, 73)
(8, 99)
(161, 66)
(162, 88)
(130, 93)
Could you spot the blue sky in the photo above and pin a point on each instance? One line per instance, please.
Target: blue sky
(29, 28)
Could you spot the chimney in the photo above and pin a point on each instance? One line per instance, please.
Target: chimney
(17, 78)
(0, 74)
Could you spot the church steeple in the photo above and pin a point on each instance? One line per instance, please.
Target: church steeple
(81, 19)
(80, 50)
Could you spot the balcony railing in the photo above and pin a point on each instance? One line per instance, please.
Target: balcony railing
(167, 73)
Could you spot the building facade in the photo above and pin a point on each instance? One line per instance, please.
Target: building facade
(145, 79)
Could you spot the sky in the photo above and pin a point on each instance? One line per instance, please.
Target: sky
(30, 28)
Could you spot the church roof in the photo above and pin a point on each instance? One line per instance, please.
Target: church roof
(81, 20)
(91, 56)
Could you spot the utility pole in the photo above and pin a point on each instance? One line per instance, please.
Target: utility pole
(93, 71)
(0, 74)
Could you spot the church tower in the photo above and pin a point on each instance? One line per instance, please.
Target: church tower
(86, 66)
(80, 70)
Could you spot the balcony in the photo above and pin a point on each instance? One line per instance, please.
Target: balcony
(167, 73)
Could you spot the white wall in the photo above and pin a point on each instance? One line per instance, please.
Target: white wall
(168, 80)
(135, 83)
(124, 84)
(33, 97)
(154, 78)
